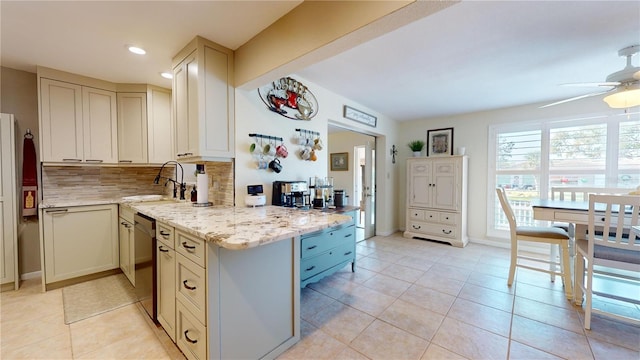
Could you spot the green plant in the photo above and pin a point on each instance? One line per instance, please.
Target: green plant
(416, 145)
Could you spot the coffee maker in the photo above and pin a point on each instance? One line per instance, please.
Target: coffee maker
(290, 193)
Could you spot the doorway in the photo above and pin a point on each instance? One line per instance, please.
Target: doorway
(358, 180)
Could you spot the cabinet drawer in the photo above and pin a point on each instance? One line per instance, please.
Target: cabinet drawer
(448, 218)
(345, 252)
(416, 214)
(126, 213)
(317, 264)
(431, 216)
(324, 241)
(191, 335)
(191, 247)
(440, 230)
(165, 234)
(191, 286)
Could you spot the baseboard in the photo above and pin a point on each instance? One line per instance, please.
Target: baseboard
(31, 275)
(386, 233)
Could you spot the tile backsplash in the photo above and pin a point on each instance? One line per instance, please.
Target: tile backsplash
(93, 182)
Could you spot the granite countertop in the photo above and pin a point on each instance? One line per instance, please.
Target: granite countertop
(234, 228)
(238, 228)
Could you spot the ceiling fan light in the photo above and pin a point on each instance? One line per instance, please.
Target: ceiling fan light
(626, 97)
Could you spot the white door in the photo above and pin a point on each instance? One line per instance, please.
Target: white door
(369, 190)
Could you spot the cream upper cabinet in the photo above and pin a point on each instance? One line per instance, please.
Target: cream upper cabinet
(61, 136)
(100, 122)
(159, 125)
(203, 102)
(132, 128)
(437, 199)
(78, 123)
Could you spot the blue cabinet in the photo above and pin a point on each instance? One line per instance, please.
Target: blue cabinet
(322, 253)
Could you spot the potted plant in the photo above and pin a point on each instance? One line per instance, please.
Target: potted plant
(416, 146)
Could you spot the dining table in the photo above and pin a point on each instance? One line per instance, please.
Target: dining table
(573, 212)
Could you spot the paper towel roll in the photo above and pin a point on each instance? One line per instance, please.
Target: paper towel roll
(202, 184)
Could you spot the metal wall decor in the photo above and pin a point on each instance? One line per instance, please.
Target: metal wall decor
(359, 116)
(289, 98)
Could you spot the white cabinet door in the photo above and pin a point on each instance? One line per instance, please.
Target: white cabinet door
(61, 121)
(126, 250)
(419, 184)
(79, 241)
(8, 205)
(100, 123)
(160, 127)
(185, 104)
(445, 192)
(132, 128)
(166, 288)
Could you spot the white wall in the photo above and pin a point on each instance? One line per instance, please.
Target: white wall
(252, 116)
(471, 131)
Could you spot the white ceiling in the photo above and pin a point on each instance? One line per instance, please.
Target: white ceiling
(472, 56)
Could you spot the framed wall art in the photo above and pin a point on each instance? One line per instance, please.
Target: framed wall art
(340, 161)
(440, 142)
(359, 116)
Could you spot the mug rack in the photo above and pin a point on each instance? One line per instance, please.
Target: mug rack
(269, 137)
(308, 132)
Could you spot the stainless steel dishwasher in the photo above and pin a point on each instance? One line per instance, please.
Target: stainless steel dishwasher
(145, 263)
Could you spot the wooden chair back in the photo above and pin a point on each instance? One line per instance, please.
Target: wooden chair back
(577, 193)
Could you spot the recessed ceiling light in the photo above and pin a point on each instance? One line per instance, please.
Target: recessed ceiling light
(137, 50)
(166, 75)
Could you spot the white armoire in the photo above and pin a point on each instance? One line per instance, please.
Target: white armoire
(8, 205)
(437, 199)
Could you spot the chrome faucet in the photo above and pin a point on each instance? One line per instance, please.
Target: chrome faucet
(183, 186)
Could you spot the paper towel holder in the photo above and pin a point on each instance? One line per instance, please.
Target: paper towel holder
(205, 203)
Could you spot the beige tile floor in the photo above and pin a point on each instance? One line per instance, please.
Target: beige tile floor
(408, 299)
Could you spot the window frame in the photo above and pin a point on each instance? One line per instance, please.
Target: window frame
(545, 126)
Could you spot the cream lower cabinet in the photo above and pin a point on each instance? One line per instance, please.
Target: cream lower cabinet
(79, 241)
(166, 278)
(127, 245)
(437, 199)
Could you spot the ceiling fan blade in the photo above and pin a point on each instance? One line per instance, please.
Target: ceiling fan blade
(598, 84)
(575, 98)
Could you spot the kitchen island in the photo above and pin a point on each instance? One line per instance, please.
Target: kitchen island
(238, 297)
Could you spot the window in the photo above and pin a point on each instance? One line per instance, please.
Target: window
(602, 151)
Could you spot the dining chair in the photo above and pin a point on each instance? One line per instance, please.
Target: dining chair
(554, 236)
(614, 253)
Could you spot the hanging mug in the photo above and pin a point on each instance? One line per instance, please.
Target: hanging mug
(275, 165)
(305, 153)
(282, 151)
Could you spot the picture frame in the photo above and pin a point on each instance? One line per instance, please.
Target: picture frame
(340, 161)
(359, 116)
(440, 142)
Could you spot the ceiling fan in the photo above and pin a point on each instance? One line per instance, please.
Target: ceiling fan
(624, 85)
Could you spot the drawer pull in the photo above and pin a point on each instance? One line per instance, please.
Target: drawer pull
(311, 268)
(188, 247)
(187, 286)
(78, 160)
(125, 161)
(185, 154)
(348, 235)
(347, 253)
(125, 224)
(93, 160)
(416, 227)
(57, 211)
(312, 247)
(186, 336)
(446, 232)
(163, 249)
(164, 234)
